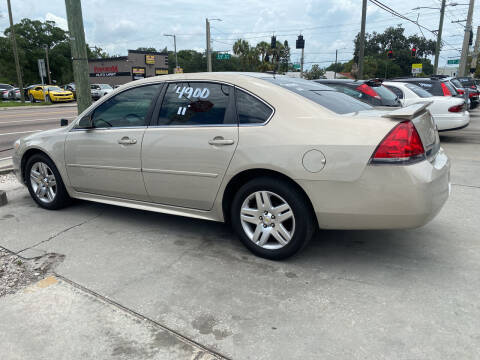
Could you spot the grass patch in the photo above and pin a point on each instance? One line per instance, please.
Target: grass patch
(15, 103)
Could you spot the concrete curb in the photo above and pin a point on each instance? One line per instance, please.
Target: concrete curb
(6, 166)
(36, 107)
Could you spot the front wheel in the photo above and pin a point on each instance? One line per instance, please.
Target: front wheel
(48, 100)
(272, 218)
(32, 99)
(45, 184)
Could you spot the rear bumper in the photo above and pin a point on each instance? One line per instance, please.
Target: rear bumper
(452, 121)
(384, 197)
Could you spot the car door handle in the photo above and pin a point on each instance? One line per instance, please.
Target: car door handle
(127, 141)
(219, 140)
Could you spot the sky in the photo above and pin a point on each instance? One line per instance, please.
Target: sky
(327, 25)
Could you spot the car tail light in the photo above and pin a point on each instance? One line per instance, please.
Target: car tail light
(461, 91)
(446, 91)
(402, 145)
(368, 91)
(472, 94)
(456, 108)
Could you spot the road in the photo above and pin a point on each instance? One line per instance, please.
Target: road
(18, 123)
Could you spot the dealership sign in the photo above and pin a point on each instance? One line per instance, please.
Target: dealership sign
(107, 71)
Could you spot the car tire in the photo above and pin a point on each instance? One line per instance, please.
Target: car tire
(32, 99)
(268, 231)
(48, 99)
(44, 168)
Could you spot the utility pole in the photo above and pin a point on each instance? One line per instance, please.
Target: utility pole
(475, 50)
(362, 40)
(439, 38)
(15, 53)
(336, 57)
(48, 66)
(466, 38)
(79, 53)
(209, 59)
(301, 63)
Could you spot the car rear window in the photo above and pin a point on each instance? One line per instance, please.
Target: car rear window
(418, 90)
(467, 81)
(451, 88)
(456, 83)
(323, 95)
(385, 93)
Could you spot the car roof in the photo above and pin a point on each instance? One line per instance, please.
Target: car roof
(229, 77)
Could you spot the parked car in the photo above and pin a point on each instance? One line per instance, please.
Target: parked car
(275, 156)
(449, 113)
(14, 94)
(99, 90)
(72, 88)
(469, 93)
(4, 89)
(371, 92)
(435, 85)
(51, 93)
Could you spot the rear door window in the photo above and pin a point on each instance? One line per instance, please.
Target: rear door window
(195, 104)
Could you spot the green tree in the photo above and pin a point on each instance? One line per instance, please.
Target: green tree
(377, 64)
(315, 72)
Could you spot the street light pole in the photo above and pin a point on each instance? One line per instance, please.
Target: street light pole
(209, 60)
(209, 45)
(15, 53)
(466, 37)
(175, 47)
(439, 38)
(48, 66)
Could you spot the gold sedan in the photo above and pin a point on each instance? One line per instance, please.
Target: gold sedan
(276, 157)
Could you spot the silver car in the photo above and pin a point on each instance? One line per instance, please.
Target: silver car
(275, 156)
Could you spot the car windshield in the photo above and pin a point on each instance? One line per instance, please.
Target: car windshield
(54, 88)
(456, 83)
(105, 86)
(323, 95)
(418, 90)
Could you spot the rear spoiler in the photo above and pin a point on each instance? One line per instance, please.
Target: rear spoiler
(409, 112)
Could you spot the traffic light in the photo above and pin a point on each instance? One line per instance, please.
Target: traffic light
(470, 39)
(390, 54)
(273, 43)
(300, 44)
(414, 52)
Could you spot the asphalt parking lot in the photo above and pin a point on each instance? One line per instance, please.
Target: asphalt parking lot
(410, 294)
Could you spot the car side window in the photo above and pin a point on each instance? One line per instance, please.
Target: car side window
(194, 104)
(251, 110)
(127, 109)
(396, 91)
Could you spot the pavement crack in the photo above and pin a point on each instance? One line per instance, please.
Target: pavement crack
(59, 233)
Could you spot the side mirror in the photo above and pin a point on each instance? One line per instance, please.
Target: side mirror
(86, 122)
(63, 122)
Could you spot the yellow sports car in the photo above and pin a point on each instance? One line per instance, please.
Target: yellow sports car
(51, 93)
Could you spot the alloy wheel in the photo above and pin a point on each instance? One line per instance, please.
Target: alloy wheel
(267, 220)
(44, 184)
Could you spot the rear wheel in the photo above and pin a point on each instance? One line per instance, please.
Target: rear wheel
(31, 98)
(45, 183)
(272, 218)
